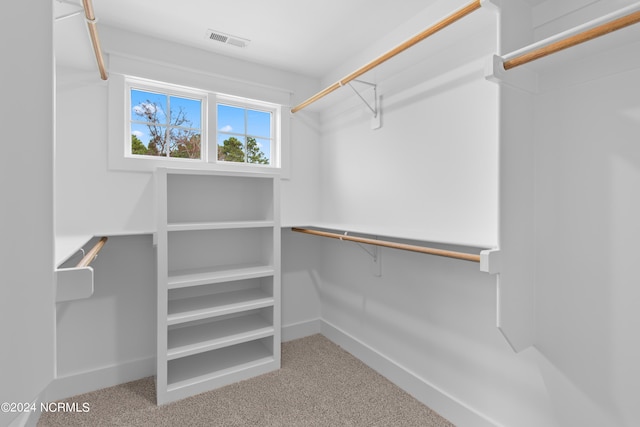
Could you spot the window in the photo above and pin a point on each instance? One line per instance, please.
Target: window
(165, 125)
(168, 125)
(244, 134)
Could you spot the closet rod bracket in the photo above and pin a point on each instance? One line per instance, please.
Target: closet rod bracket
(375, 253)
(490, 261)
(375, 109)
(523, 78)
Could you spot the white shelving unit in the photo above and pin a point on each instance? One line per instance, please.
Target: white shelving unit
(218, 246)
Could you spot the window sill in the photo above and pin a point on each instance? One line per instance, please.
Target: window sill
(132, 164)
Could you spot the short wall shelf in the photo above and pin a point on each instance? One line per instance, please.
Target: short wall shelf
(74, 278)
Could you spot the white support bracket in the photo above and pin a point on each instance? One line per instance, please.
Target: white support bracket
(376, 254)
(490, 261)
(73, 283)
(521, 78)
(79, 11)
(376, 123)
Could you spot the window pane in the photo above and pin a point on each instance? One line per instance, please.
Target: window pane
(184, 144)
(258, 150)
(230, 148)
(230, 119)
(259, 123)
(148, 106)
(147, 140)
(185, 112)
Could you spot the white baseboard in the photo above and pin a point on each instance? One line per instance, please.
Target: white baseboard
(300, 329)
(26, 419)
(29, 418)
(447, 406)
(84, 382)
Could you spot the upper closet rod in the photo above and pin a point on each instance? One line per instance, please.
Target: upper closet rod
(549, 46)
(393, 52)
(393, 245)
(95, 41)
(93, 253)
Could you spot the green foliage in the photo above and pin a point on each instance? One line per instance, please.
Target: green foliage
(254, 154)
(186, 146)
(137, 146)
(231, 150)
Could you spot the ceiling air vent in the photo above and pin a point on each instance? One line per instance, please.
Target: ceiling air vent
(227, 39)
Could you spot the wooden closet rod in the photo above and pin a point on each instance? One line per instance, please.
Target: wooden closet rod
(600, 30)
(93, 253)
(393, 245)
(393, 52)
(95, 41)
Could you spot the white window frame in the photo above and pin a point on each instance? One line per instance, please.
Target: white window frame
(120, 157)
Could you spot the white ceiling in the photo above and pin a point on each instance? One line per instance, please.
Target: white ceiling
(303, 36)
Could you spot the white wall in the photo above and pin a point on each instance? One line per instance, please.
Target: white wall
(430, 171)
(26, 215)
(587, 208)
(300, 286)
(431, 168)
(571, 174)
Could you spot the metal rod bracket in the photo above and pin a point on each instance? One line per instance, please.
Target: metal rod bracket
(375, 253)
(375, 109)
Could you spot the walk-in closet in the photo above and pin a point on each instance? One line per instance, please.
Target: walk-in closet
(332, 213)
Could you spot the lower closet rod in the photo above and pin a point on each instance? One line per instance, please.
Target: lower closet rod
(393, 245)
(93, 253)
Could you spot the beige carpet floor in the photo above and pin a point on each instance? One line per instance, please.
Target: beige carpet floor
(319, 384)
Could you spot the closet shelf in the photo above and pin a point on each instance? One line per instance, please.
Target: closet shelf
(487, 258)
(74, 279)
(218, 269)
(392, 245)
(217, 225)
(219, 304)
(203, 367)
(186, 341)
(93, 253)
(209, 275)
(398, 232)
(67, 246)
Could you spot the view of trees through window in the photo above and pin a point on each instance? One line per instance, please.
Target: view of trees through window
(244, 135)
(166, 125)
